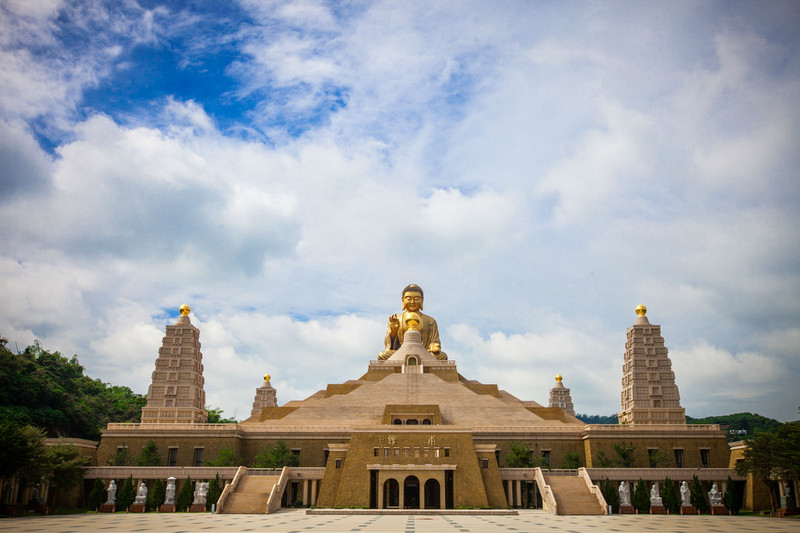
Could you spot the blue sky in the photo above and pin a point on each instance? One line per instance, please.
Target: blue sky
(539, 168)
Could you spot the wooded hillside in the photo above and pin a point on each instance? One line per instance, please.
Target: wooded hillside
(52, 392)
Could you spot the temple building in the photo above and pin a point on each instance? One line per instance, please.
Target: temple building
(413, 433)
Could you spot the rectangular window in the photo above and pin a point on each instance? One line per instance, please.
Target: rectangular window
(325, 454)
(405, 452)
(436, 452)
(652, 457)
(397, 452)
(198, 457)
(546, 457)
(416, 452)
(485, 463)
(386, 452)
(296, 453)
(172, 457)
(427, 452)
(447, 452)
(338, 463)
(497, 456)
(375, 452)
(704, 457)
(678, 457)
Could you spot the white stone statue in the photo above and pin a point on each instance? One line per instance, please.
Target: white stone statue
(714, 495)
(141, 496)
(685, 494)
(624, 494)
(200, 493)
(112, 493)
(170, 500)
(655, 497)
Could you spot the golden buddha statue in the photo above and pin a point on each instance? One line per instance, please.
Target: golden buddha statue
(412, 299)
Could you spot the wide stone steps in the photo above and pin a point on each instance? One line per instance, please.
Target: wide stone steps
(573, 496)
(251, 495)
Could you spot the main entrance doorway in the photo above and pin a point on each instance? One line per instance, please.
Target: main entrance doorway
(432, 497)
(411, 492)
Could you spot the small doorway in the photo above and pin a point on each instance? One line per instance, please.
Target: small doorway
(432, 497)
(391, 494)
(411, 492)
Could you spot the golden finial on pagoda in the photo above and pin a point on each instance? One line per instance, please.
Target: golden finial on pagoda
(412, 320)
(559, 378)
(267, 377)
(185, 310)
(641, 310)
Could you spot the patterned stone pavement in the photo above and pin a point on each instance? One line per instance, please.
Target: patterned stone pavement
(298, 521)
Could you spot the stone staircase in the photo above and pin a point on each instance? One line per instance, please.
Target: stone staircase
(573, 496)
(251, 495)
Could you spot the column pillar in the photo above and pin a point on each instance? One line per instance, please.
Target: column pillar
(442, 502)
(508, 493)
(518, 489)
(313, 492)
(305, 492)
(422, 494)
(401, 500)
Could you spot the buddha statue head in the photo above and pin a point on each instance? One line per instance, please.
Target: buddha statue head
(413, 298)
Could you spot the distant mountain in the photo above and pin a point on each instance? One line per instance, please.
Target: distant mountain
(597, 419)
(739, 425)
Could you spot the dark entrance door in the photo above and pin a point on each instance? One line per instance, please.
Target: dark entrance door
(432, 499)
(391, 494)
(411, 492)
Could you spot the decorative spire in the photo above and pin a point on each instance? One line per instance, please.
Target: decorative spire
(267, 377)
(561, 397)
(641, 311)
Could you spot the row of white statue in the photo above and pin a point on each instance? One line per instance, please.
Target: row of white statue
(714, 495)
(200, 493)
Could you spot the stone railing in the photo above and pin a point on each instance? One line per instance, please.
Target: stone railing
(275, 495)
(159, 472)
(264, 471)
(654, 427)
(230, 488)
(548, 499)
(307, 472)
(594, 489)
(170, 425)
(525, 429)
(658, 474)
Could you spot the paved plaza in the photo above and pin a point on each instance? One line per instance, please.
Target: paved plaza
(299, 521)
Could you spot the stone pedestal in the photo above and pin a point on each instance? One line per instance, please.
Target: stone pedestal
(197, 508)
(719, 510)
(626, 509)
(108, 508)
(688, 509)
(136, 508)
(658, 509)
(167, 508)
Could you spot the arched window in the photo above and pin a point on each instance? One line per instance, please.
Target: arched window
(412, 361)
(426, 421)
(397, 422)
(412, 422)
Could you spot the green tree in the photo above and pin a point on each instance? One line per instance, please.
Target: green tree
(657, 458)
(157, 495)
(215, 416)
(225, 457)
(97, 496)
(641, 498)
(761, 458)
(22, 451)
(119, 458)
(610, 493)
(126, 495)
(601, 460)
(732, 499)
(698, 496)
(214, 492)
(669, 496)
(571, 461)
(64, 468)
(185, 496)
(277, 456)
(149, 455)
(625, 452)
(520, 456)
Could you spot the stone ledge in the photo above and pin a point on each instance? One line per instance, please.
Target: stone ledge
(412, 512)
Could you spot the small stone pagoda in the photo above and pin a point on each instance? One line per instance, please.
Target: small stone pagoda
(265, 396)
(560, 397)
